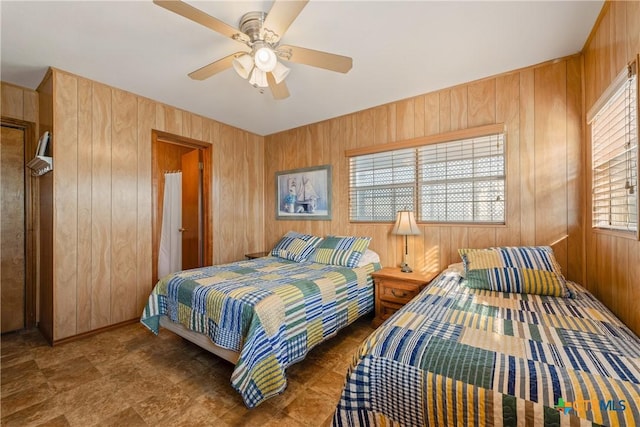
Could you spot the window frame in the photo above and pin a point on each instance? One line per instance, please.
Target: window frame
(415, 144)
(621, 80)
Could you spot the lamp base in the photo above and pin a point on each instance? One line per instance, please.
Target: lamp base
(404, 267)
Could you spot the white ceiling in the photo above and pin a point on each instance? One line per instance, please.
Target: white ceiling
(399, 49)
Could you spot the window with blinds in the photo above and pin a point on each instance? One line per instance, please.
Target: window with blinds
(382, 184)
(614, 139)
(462, 181)
(454, 181)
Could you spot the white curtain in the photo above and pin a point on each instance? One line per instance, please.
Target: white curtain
(170, 254)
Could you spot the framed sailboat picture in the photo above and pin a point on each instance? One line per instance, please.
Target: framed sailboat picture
(304, 193)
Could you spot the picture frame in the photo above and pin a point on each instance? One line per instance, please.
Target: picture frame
(304, 194)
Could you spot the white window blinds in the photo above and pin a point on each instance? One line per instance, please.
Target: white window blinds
(463, 181)
(454, 181)
(382, 184)
(614, 138)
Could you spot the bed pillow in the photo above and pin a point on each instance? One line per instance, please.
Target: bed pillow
(344, 251)
(369, 257)
(295, 246)
(523, 269)
(457, 268)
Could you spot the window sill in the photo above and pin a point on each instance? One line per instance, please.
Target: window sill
(631, 235)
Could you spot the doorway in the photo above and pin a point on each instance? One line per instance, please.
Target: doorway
(17, 287)
(172, 153)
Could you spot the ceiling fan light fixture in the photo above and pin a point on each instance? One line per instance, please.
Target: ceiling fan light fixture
(265, 59)
(280, 72)
(243, 65)
(258, 78)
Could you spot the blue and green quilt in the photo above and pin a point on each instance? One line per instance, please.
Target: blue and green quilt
(457, 356)
(270, 310)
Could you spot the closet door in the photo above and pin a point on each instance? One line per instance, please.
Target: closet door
(12, 229)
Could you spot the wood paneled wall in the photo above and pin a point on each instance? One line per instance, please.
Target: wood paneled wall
(613, 262)
(18, 103)
(541, 109)
(101, 225)
(102, 243)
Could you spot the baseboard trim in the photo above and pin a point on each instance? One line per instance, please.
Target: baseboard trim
(93, 332)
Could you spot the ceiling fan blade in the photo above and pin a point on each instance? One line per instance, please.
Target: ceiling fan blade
(316, 58)
(214, 68)
(282, 14)
(196, 15)
(279, 91)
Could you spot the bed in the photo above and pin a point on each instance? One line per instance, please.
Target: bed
(490, 342)
(266, 313)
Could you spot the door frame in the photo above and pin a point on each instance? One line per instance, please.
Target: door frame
(158, 137)
(31, 222)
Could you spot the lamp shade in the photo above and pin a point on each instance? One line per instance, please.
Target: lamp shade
(265, 59)
(405, 224)
(280, 72)
(243, 65)
(259, 78)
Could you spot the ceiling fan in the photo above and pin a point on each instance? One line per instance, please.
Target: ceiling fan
(261, 32)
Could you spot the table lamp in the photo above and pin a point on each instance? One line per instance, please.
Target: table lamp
(405, 226)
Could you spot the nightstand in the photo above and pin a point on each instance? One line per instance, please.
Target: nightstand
(393, 289)
(257, 255)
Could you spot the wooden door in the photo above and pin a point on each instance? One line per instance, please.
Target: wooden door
(191, 209)
(12, 229)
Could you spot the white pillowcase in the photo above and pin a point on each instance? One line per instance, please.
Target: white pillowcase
(368, 257)
(458, 267)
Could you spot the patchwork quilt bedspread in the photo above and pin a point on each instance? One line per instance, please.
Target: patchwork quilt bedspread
(461, 356)
(270, 310)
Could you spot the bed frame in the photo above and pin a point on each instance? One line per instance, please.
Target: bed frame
(199, 340)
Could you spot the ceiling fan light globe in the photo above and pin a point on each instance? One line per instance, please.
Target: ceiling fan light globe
(280, 72)
(265, 59)
(243, 65)
(258, 78)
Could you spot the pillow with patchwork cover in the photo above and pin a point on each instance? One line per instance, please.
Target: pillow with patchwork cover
(344, 251)
(521, 269)
(295, 246)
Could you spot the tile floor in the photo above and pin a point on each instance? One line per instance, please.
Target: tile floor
(130, 377)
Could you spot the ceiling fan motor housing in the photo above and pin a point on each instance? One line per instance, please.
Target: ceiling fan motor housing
(262, 40)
